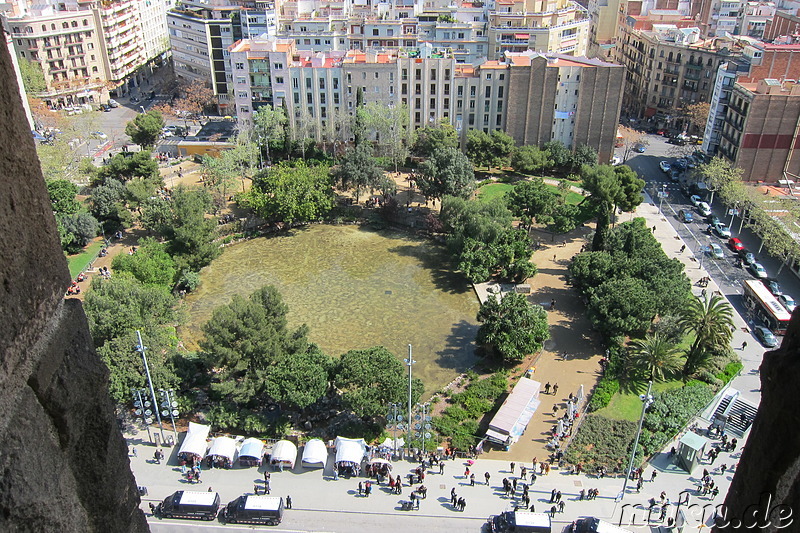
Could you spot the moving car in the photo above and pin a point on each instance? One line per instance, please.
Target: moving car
(773, 286)
(712, 219)
(665, 167)
(250, 509)
(747, 257)
(639, 148)
(675, 175)
(721, 230)
(704, 209)
(680, 163)
(715, 251)
(766, 337)
(735, 244)
(787, 301)
(99, 135)
(685, 215)
(189, 504)
(695, 200)
(758, 271)
(520, 522)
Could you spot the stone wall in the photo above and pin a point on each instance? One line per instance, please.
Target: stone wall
(63, 462)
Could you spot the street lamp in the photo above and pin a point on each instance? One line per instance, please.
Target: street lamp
(395, 422)
(141, 349)
(423, 426)
(409, 362)
(170, 406)
(142, 108)
(647, 400)
(661, 195)
(143, 411)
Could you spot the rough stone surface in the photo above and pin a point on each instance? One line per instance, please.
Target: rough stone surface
(767, 480)
(63, 462)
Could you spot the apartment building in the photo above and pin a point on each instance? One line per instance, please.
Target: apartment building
(761, 132)
(562, 98)
(558, 26)
(88, 49)
(668, 67)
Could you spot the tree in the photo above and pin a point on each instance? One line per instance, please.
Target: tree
(656, 355)
(32, 76)
(389, 127)
(622, 306)
(151, 264)
(191, 235)
(559, 154)
(533, 200)
(610, 188)
(369, 380)
(511, 328)
(489, 149)
(62, 197)
(359, 122)
(156, 215)
(584, 155)
(108, 204)
(482, 221)
(711, 322)
(269, 123)
(122, 304)
(447, 172)
(429, 138)
(291, 193)
(358, 169)
(530, 159)
(145, 128)
(127, 166)
(697, 114)
(718, 174)
(629, 138)
(244, 339)
(299, 378)
(82, 226)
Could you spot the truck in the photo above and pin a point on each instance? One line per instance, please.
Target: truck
(189, 504)
(251, 509)
(520, 522)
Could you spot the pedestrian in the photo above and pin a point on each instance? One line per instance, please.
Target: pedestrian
(552, 304)
(514, 484)
(714, 492)
(561, 505)
(553, 510)
(472, 480)
(523, 472)
(255, 490)
(639, 485)
(663, 513)
(157, 457)
(555, 388)
(533, 507)
(512, 467)
(653, 475)
(683, 248)
(555, 408)
(558, 496)
(288, 502)
(134, 451)
(582, 495)
(197, 477)
(547, 388)
(360, 488)
(553, 496)
(744, 345)
(441, 467)
(466, 472)
(462, 503)
(654, 229)
(723, 468)
(152, 509)
(486, 475)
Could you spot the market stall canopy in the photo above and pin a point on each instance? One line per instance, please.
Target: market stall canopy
(315, 452)
(252, 447)
(350, 450)
(512, 418)
(379, 461)
(195, 441)
(223, 447)
(284, 452)
(389, 443)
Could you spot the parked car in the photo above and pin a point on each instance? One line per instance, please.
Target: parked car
(680, 163)
(704, 209)
(766, 337)
(773, 286)
(735, 244)
(105, 107)
(685, 216)
(712, 219)
(99, 135)
(665, 167)
(695, 200)
(747, 257)
(787, 301)
(721, 230)
(675, 175)
(113, 103)
(639, 148)
(715, 251)
(758, 270)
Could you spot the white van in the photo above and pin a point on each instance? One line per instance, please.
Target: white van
(595, 525)
(520, 522)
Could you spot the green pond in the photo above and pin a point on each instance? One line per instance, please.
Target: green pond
(355, 288)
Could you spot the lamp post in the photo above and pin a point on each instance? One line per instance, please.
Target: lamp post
(141, 349)
(410, 362)
(661, 195)
(142, 108)
(424, 423)
(141, 411)
(647, 400)
(170, 407)
(396, 422)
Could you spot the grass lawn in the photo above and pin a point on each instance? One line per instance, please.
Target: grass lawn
(78, 262)
(628, 406)
(490, 191)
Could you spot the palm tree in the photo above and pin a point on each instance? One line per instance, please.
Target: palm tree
(657, 355)
(711, 321)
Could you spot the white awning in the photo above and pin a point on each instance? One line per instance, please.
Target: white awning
(513, 416)
(284, 452)
(390, 443)
(194, 443)
(252, 447)
(315, 452)
(223, 447)
(379, 461)
(350, 450)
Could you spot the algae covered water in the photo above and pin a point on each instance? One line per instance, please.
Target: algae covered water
(355, 288)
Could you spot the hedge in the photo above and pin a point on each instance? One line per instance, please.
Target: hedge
(605, 390)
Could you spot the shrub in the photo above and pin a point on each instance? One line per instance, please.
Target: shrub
(605, 390)
(670, 412)
(730, 371)
(601, 441)
(707, 377)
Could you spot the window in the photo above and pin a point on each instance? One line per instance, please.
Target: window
(471, 119)
(472, 104)
(296, 98)
(416, 116)
(322, 83)
(500, 91)
(336, 98)
(461, 35)
(295, 83)
(322, 98)
(390, 32)
(488, 92)
(433, 74)
(418, 74)
(278, 79)
(376, 75)
(404, 88)
(433, 87)
(308, 83)
(489, 76)
(446, 103)
(417, 103)
(242, 95)
(404, 75)
(433, 102)
(375, 32)
(317, 42)
(418, 89)
(472, 91)
(460, 91)
(309, 98)
(459, 104)
(501, 77)
(277, 66)
(335, 84)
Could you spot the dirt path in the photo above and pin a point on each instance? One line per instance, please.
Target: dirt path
(570, 332)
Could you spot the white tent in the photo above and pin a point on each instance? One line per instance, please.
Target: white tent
(222, 451)
(513, 416)
(251, 452)
(194, 444)
(284, 453)
(350, 450)
(390, 443)
(315, 453)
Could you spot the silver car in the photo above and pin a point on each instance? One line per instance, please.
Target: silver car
(787, 301)
(758, 271)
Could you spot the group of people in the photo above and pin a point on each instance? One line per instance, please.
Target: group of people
(458, 502)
